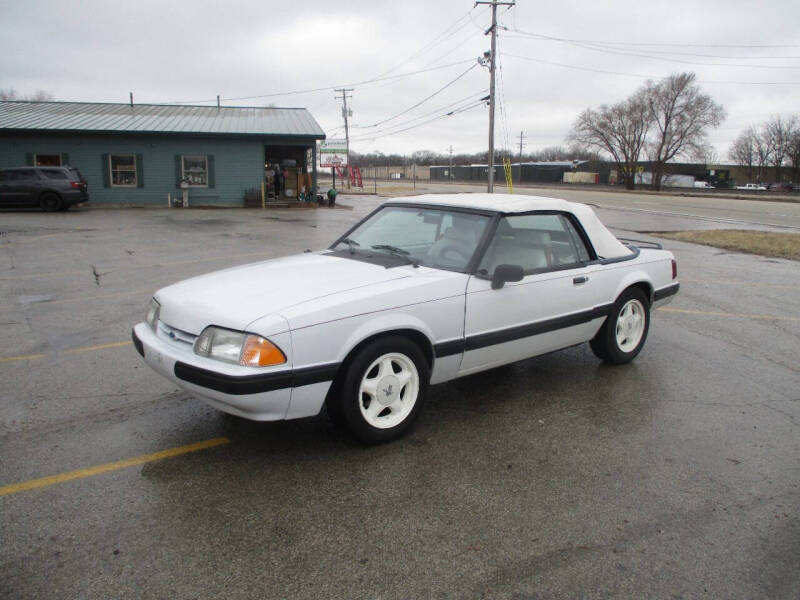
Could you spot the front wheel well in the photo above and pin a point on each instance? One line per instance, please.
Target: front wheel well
(416, 337)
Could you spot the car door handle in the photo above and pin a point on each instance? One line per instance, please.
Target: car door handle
(579, 280)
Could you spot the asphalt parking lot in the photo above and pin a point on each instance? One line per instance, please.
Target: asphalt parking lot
(677, 476)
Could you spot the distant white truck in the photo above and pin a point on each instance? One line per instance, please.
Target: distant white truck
(753, 187)
(703, 185)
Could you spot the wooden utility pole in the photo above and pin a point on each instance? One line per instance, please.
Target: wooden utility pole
(346, 114)
(492, 63)
(519, 175)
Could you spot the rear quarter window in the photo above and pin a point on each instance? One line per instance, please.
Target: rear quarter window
(55, 174)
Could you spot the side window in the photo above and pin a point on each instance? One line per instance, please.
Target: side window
(123, 170)
(536, 242)
(195, 170)
(24, 175)
(583, 252)
(47, 160)
(54, 174)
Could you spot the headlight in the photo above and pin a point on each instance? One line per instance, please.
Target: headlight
(151, 317)
(238, 348)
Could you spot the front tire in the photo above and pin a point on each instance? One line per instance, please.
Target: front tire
(624, 332)
(383, 390)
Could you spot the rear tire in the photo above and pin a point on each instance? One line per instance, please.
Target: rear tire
(624, 332)
(382, 390)
(51, 202)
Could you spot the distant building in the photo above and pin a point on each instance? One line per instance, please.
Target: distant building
(136, 154)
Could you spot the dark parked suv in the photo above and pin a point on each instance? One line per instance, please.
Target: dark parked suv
(50, 188)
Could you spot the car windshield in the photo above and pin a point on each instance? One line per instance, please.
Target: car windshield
(438, 238)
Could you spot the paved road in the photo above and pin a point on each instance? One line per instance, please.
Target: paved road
(668, 212)
(674, 477)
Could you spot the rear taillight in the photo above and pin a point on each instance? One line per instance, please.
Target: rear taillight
(674, 269)
(76, 184)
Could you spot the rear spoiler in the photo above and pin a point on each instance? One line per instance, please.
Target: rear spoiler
(641, 243)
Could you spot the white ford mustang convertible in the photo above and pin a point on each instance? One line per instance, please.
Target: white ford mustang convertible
(421, 291)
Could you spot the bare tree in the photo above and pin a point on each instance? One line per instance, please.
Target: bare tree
(763, 149)
(620, 130)
(681, 116)
(743, 150)
(37, 96)
(778, 133)
(793, 151)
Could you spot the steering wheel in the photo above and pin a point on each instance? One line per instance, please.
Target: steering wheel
(453, 253)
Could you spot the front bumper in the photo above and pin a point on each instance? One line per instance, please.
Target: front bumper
(261, 395)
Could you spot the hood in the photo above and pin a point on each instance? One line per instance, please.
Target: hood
(236, 297)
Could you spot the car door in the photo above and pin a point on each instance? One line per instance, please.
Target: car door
(552, 307)
(23, 188)
(5, 188)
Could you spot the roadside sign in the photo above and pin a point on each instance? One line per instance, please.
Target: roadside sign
(333, 153)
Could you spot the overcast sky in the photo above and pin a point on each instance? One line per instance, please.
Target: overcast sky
(746, 56)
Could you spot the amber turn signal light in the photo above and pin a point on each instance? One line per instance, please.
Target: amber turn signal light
(258, 352)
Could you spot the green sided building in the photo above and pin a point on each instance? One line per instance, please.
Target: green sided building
(141, 154)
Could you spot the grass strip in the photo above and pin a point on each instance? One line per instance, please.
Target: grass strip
(764, 243)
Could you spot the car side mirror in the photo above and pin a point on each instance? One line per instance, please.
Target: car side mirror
(505, 273)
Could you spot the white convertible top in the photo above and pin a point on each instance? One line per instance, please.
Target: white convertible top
(604, 242)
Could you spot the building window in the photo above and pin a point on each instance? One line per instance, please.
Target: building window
(47, 160)
(123, 170)
(195, 170)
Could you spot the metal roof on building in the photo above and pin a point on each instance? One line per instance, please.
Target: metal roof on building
(157, 118)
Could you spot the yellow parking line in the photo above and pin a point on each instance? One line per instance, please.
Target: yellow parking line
(98, 347)
(727, 314)
(31, 484)
(70, 351)
(23, 357)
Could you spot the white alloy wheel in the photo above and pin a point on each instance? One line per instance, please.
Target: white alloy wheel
(388, 390)
(630, 325)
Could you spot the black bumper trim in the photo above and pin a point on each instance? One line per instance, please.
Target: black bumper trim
(137, 343)
(255, 384)
(665, 292)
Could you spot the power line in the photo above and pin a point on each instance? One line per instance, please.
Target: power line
(503, 104)
(450, 114)
(327, 88)
(439, 39)
(671, 52)
(447, 110)
(607, 49)
(409, 109)
(451, 105)
(662, 44)
(639, 76)
(460, 44)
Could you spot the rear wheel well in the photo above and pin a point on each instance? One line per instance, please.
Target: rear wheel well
(644, 287)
